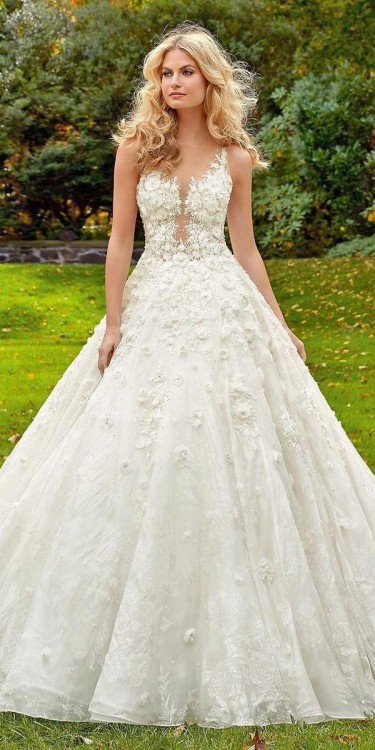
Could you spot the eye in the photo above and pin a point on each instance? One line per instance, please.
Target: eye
(167, 72)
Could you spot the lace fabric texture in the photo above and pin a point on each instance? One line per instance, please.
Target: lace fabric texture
(189, 538)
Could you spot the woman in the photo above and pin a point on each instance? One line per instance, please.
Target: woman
(187, 532)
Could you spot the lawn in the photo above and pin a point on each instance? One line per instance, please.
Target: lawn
(46, 314)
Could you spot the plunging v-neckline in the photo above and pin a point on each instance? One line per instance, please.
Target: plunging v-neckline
(193, 179)
(179, 210)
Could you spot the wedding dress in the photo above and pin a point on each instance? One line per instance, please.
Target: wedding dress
(189, 537)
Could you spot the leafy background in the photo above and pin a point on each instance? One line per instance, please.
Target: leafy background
(67, 73)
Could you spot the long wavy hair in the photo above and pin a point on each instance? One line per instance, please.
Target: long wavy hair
(230, 99)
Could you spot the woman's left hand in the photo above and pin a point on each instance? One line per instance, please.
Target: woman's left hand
(297, 343)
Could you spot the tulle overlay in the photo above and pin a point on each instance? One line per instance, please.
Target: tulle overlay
(191, 536)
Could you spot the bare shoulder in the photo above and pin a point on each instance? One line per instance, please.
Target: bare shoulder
(239, 161)
(126, 156)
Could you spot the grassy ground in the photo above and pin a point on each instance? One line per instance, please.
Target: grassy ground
(18, 731)
(46, 314)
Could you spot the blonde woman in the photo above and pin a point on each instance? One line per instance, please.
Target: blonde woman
(187, 532)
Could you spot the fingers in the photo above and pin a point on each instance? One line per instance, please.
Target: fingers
(104, 359)
(102, 363)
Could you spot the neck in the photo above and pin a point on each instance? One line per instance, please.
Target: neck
(192, 126)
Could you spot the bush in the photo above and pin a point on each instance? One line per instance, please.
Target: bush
(320, 144)
(357, 246)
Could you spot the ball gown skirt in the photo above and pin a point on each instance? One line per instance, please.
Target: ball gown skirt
(191, 536)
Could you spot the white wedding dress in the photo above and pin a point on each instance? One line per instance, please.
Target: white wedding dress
(191, 537)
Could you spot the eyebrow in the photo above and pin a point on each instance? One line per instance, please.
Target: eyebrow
(189, 65)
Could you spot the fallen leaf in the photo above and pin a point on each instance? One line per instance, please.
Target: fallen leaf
(345, 739)
(14, 438)
(179, 730)
(256, 742)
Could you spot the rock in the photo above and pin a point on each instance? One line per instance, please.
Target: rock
(90, 256)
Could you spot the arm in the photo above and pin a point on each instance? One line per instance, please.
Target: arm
(120, 247)
(241, 232)
(121, 241)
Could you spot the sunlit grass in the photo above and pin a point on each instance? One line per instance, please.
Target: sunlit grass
(18, 731)
(46, 314)
(329, 304)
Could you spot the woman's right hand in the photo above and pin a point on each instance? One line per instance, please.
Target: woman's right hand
(110, 342)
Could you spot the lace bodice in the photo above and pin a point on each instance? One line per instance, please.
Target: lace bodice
(193, 225)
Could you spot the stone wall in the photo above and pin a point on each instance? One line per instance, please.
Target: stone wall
(58, 252)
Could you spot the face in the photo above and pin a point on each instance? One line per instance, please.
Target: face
(181, 74)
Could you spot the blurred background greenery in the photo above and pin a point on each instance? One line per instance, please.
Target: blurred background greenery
(67, 73)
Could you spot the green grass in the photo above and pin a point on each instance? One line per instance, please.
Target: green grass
(48, 311)
(329, 304)
(24, 732)
(46, 314)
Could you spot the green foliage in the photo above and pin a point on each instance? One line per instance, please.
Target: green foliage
(319, 188)
(357, 246)
(68, 71)
(333, 32)
(279, 210)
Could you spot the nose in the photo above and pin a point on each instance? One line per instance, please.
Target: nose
(175, 81)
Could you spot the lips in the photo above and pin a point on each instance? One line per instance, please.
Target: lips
(176, 96)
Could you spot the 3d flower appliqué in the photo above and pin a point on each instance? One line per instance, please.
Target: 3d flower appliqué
(107, 420)
(183, 457)
(190, 635)
(125, 466)
(196, 418)
(266, 569)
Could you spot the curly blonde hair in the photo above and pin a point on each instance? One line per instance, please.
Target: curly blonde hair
(229, 100)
